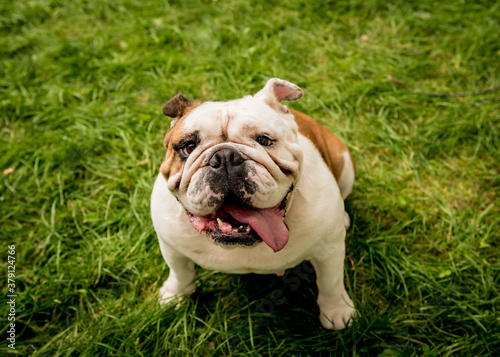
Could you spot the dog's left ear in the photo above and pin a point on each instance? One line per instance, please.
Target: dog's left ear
(177, 107)
(277, 90)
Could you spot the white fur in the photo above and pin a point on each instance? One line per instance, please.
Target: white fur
(240, 120)
(315, 219)
(346, 180)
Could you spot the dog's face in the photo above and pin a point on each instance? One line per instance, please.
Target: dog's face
(232, 165)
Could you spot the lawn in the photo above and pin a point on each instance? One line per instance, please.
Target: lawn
(82, 86)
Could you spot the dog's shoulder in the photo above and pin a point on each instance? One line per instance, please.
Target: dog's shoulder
(331, 148)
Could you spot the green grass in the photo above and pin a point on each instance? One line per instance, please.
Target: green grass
(82, 86)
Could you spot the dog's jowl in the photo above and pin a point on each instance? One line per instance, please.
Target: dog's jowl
(250, 186)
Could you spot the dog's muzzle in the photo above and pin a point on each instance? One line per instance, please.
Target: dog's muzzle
(236, 221)
(226, 161)
(229, 175)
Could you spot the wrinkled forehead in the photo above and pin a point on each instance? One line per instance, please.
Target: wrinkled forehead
(237, 116)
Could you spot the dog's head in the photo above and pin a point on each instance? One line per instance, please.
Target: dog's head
(232, 165)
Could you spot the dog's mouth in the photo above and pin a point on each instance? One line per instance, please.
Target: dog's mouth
(235, 223)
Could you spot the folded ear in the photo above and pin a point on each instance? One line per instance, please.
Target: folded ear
(277, 90)
(176, 106)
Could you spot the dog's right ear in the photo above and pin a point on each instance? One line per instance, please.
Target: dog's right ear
(177, 107)
(277, 90)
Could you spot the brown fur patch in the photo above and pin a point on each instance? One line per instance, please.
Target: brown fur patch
(173, 162)
(330, 147)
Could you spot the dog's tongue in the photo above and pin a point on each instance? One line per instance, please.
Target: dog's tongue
(268, 225)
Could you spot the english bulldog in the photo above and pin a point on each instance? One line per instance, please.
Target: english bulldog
(251, 186)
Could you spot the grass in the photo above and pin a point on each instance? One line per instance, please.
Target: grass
(82, 86)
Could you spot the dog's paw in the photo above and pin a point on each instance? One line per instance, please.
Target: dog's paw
(338, 315)
(337, 319)
(170, 292)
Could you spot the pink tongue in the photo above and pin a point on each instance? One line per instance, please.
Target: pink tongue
(268, 225)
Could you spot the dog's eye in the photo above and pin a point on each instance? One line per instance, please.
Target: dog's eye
(187, 149)
(265, 141)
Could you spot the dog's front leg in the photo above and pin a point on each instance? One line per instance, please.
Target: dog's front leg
(181, 275)
(336, 308)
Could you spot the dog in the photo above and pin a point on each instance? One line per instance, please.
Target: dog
(251, 186)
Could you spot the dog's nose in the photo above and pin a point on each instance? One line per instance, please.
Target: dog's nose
(226, 158)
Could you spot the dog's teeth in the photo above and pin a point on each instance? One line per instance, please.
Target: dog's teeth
(248, 230)
(219, 221)
(235, 230)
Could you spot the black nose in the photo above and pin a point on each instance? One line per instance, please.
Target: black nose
(226, 158)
